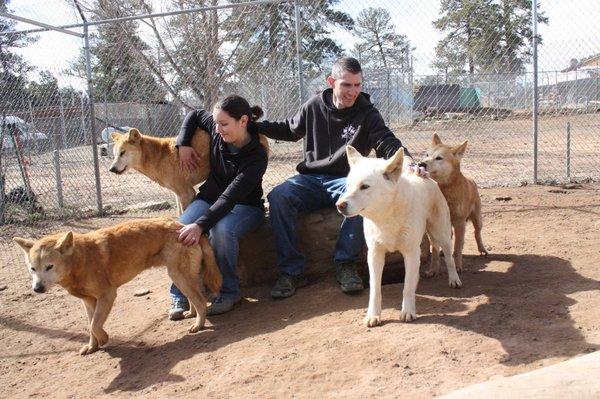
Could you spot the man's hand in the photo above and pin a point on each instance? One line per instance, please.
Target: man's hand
(190, 234)
(188, 158)
(420, 171)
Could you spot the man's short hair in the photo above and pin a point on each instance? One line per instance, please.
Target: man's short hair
(345, 64)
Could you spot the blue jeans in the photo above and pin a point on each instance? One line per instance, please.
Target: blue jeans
(224, 238)
(306, 193)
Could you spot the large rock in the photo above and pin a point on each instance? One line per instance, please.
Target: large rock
(318, 234)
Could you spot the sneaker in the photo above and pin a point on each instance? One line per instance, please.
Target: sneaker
(221, 305)
(286, 285)
(347, 276)
(178, 307)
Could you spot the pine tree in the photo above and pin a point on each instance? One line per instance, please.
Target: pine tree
(485, 36)
(380, 46)
(117, 74)
(13, 69)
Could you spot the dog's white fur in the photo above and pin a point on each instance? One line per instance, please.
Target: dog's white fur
(398, 208)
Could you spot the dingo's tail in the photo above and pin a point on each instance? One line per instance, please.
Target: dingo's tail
(212, 274)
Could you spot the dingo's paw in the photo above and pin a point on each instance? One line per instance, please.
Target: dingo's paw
(102, 337)
(372, 321)
(407, 316)
(87, 349)
(194, 329)
(483, 252)
(455, 282)
(430, 273)
(188, 314)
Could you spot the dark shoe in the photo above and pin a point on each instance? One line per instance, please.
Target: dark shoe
(347, 276)
(221, 305)
(178, 307)
(286, 285)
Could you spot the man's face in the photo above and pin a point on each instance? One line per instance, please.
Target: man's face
(345, 89)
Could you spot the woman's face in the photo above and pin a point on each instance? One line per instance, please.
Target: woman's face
(230, 129)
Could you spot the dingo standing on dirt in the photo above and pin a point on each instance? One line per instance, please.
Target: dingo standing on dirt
(397, 209)
(92, 266)
(443, 164)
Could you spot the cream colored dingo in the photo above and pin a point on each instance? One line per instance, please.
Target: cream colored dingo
(398, 208)
(92, 266)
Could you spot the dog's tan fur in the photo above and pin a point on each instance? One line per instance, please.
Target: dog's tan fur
(92, 266)
(158, 159)
(443, 164)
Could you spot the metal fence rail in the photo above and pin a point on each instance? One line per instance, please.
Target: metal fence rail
(124, 64)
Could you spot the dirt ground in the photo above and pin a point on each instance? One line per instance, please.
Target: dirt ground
(534, 301)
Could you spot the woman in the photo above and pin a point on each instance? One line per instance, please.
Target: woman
(229, 204)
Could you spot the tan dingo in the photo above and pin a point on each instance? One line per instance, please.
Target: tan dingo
(158, 159)
(92, 266)
(443, 164)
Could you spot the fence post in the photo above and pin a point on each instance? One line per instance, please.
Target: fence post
(388, 95)
(2, 195)
(534, 4)
(569, 150)
(32, 123)
(83, 128)
(88, 68)
(56, 139)
(2, 200)
(412, 89)
(299, 51)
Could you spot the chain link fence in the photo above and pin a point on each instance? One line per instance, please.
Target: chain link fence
(463, 69)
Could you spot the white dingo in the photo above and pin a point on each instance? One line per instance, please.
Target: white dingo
(398, 208)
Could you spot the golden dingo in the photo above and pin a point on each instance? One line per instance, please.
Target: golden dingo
(92, 266)
(443, 164)
(158, 159)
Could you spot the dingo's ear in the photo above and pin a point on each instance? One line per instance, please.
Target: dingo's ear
(393, 168)
(65, 244)
(353, 155)
(435, 140)
(115, 136)
(459, 150)
(24, 243)
(134, 136)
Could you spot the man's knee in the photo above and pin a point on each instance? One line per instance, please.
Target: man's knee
(280, 194)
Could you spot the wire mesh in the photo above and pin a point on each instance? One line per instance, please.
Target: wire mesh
(461, 68)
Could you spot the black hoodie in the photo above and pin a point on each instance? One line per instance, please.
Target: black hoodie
(235, 177)
(327, 130)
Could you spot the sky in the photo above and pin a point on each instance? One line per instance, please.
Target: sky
(571, 33)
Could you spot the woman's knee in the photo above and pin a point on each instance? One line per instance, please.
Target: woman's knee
(222, 234)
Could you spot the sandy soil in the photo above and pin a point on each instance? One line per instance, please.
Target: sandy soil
(533, 302)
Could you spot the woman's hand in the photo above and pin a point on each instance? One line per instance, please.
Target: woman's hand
(188, 158)
(190, 234)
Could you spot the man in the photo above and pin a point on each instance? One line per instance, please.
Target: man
(339, 116)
